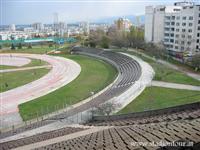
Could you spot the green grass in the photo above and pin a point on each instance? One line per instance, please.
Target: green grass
(2, 67)
(156, 98)
(94, 76)
(19, 78)
(34, 49)
(164, 73)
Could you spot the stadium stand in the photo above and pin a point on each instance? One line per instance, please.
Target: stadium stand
(182, 112)
(39, 137)
(136, 136)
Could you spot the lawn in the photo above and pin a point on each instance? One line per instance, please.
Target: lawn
(10, 80)
(95, 75)
(34, 49)
(164, 73)
(156, 98)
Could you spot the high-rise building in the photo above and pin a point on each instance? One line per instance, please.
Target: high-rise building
(177, 27)
(123, 24)
(12, 27)
(62, 28)
(38, 26)
(55, 22)
(85, 27)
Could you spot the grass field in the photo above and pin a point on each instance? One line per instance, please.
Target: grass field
(12, 80)
(156, 98)
(34, 49)
(164, 73)
(94, 76)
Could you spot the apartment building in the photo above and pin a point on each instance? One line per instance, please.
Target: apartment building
(177, 27)
(123, 24)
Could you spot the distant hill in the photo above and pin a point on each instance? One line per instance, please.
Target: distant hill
(111, 20)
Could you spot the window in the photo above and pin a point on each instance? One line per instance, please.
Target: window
(176, 41)
(189, 37)
(178, 18)
(190, 24)
(172, 40)
(197, 47)
(189, 30)
(177, 35)
(198, 27)
(177, 30)
(167, 23)
(199, 22)
(172, 23)
(183, 36)
(166, 34)
(183, 24)
(166, 40)
(189, 43)
(184, 18)
(167, 17)
(190, 18)
(177, 24)
(172, 29)
(182, 48)
(183, 30)
(198, 34)
(197, 40)
(172, 34)
(166, 29)
(176, 47)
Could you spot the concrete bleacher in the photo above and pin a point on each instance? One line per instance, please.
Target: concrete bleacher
(38, 137)
(182, 112)
(129, 137)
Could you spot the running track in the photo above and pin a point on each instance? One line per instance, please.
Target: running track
(63, 71)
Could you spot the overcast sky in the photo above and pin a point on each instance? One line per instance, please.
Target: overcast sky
(29, 11)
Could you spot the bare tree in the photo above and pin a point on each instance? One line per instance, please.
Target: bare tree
(106, 108)
(196, 61)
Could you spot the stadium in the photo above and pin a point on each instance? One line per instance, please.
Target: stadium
(73, 101)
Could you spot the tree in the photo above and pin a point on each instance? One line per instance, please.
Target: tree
(50, 45)
(106, 108)
(12, 46)
(196, 61)
(0, 46)
(20, 46)
(117, 38)
(29, 46)
(105, 41)
(95, 37)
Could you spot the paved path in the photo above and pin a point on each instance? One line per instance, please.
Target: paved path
(170, 65)
(63, 71)
(9, 60)
(24, 68)
(175, 85)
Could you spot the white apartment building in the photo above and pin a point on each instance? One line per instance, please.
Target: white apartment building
(177, 27)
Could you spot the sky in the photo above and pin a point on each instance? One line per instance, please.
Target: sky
(30, 11)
